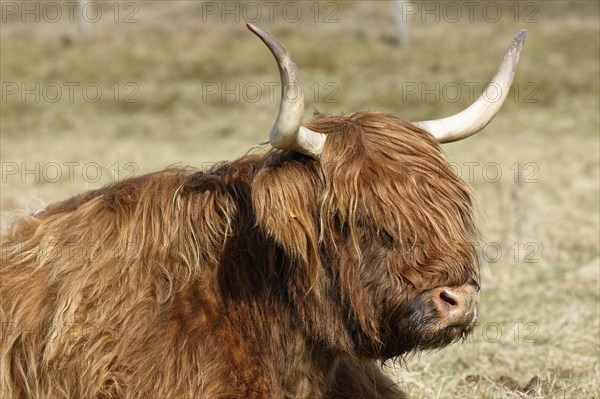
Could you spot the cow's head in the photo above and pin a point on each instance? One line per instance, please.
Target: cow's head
(382, 214)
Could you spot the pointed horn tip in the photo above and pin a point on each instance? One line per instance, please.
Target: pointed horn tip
(513, 52)
(253, 28)
(257, 31)
(272, 43)
(519, 40)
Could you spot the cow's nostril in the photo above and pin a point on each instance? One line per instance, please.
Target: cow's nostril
(455, 305)
(448, 298)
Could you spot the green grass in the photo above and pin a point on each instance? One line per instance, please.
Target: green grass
(170, 55)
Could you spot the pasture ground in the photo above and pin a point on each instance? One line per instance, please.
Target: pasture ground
(535, 169)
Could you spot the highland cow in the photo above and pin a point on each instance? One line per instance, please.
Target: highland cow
(285, 274)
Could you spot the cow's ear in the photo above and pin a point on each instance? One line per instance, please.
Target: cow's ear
(284, 199)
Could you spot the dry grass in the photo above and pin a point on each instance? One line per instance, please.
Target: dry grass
(170, 53)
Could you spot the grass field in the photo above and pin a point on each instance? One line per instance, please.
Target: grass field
(176, 82)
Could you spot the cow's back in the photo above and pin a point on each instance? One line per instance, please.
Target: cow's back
(110, 293)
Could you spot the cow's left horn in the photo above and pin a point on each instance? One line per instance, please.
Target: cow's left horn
(482, 111)
(288, 133)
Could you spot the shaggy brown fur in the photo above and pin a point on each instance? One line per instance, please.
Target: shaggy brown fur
(273, 276)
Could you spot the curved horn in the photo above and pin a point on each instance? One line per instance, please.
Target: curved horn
(482, 111)
(288, 133)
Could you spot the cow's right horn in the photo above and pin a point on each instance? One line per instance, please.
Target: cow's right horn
(288, 133)
(483, 110)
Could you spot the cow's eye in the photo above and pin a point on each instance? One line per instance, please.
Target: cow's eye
(474, 283)
(386, 238)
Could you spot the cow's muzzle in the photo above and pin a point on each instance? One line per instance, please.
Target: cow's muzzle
(442, 315)
(456, 306)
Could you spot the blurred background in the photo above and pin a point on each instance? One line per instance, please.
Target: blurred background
(94, 92)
